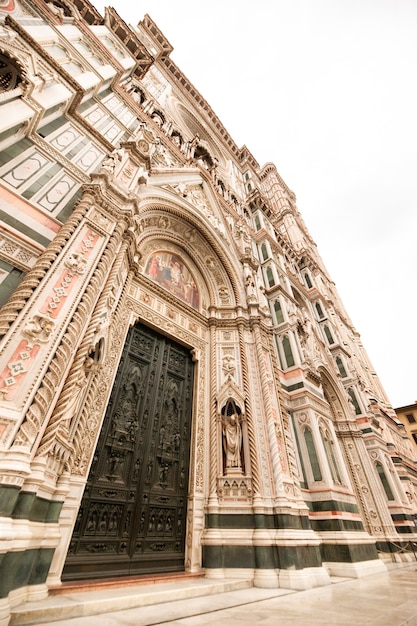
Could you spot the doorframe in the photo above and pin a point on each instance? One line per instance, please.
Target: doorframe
(132, 310)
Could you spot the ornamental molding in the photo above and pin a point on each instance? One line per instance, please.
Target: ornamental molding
(18, 253)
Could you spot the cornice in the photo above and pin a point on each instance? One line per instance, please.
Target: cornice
(129, 39)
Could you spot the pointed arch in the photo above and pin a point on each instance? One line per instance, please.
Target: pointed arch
(166, 217)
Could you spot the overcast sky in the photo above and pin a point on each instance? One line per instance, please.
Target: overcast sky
(326, 90)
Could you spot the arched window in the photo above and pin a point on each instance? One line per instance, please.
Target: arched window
(308, 280)
(278, 312)
(328, 334)
(270, 276)
(319, 311)
(328, 444)
(384, 481)
(341, 367)
(264, 252)
(286, 346)
(355, 402)
(258, 224)
(312, 454)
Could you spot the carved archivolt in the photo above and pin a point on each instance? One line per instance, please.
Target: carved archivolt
(173, 236)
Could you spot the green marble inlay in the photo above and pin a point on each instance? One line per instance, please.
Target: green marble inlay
(27, 567)
(8, 498)
(348, 553)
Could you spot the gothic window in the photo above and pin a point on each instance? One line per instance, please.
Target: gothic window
(319, 310)
(286, 346)
(270, 277)
(312, 454)
(329, 449)
(355, 402)
(279, 316)
(308, 281)
(328, 334)
(384, 481)
(258, 224)
(264, 252)
(341, 367)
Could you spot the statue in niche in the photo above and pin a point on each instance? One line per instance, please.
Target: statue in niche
(232, 442)
(250, 285)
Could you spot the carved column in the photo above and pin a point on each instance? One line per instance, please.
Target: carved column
(249, 415)
(33, 278)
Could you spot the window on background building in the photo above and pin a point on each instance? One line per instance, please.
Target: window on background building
(286, 346)
(312, 454)
(355, 402)
(341, 367)
(384, 481)
(410, 417)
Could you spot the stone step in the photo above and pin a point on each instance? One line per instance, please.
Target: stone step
(82, 601)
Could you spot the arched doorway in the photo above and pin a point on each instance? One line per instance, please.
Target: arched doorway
(132, 516)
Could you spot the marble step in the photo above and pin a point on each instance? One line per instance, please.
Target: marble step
(81, 601)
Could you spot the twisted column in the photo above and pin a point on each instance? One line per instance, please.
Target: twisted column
(266, 397)
(78, 376)
(249, 416)
(32, 423)
(213, 415)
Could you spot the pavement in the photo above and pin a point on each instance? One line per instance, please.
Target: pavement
(385, 599)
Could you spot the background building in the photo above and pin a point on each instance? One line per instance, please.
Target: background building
(180, 386)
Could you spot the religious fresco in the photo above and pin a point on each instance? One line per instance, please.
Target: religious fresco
(170, 271)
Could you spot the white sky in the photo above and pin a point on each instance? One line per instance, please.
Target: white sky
(326, 90)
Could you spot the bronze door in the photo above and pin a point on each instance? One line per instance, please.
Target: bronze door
(132, 516)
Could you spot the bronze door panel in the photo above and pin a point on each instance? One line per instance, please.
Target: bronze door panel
(132, 515)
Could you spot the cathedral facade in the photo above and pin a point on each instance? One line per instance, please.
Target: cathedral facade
(181, 388)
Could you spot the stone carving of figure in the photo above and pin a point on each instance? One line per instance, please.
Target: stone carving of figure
(229, 366)
(250, 285)
(112, 160)
(39, 329)
(232, 441)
